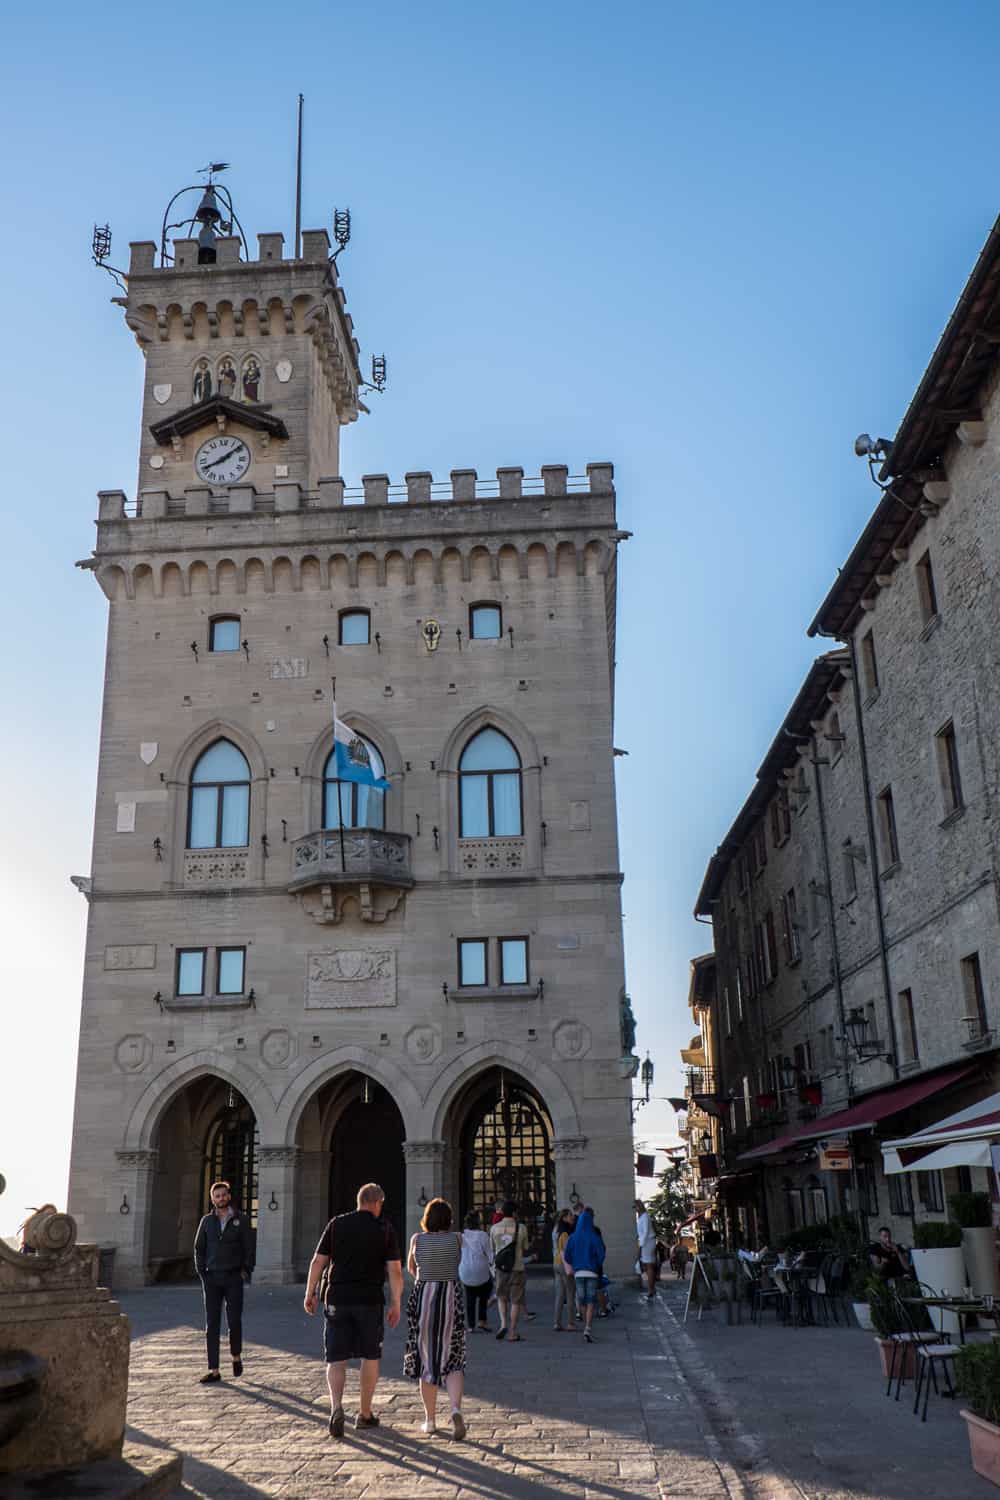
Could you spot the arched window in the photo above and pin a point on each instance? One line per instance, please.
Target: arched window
(489, 781)
(219, 809)
(348, 802)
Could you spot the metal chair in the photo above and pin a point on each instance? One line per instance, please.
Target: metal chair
(764, 1291)
(907, 1336)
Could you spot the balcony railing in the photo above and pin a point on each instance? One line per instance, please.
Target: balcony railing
(356, 856)
(699, 1081)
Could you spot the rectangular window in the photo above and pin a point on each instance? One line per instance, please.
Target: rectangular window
(975, 996)
(759, 848)
(746, 1099)
(513, 960)
(231, 965)
(355, 627)
(471, 961)
(925, 588)
(900, 1194)
(790, 925)
(770, 948)
(191, 971)
(930, 1191)
(948, 769)
(224, 635)
(739, 990)
(907, 1027)
(850, 871)
(726, 1009)
(869, 663)
(485, 622)
(887, 828)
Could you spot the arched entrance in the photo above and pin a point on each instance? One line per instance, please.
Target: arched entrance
(351, 1132)
(207, 1131)
(501, 1134)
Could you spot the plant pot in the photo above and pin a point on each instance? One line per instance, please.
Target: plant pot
(905, 1353)
(863, 1315)
(943, 1270)
(984, 1445)
(979, 1250)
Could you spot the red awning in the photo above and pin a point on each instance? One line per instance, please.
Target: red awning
(866, 1114)
(694, 1219)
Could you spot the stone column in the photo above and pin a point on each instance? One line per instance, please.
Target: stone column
(277, 1179)
(569, 1155)
(424, 1179)
(136, 1171)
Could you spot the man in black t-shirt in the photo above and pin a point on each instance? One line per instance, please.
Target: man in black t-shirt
(361, 1249)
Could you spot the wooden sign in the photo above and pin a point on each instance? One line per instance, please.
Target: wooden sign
(700, 1289)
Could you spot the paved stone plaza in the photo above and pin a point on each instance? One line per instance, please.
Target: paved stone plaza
(549, 1416)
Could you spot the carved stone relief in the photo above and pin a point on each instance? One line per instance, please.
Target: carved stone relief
(571, 1039)
(277, 1048)
(289, 666)
(133, 1053)
(423, 1043)
(349, 978)
(579, 817)
(133, 956)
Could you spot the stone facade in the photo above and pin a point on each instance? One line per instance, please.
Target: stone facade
(861, 875)
(351, 994)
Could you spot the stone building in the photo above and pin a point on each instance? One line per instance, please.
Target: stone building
(293, 980)
(854, 901)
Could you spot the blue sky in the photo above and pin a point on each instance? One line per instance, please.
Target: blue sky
(710, 242)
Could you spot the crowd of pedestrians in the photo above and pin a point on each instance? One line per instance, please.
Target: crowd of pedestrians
(458, 1274)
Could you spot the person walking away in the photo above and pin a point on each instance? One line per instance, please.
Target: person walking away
(475, 1271)
(646, 1236)
(435, 1330)
(361, 1249)
(224, 1260)
(583, 1258)
(563, 1286)
(509, 1239)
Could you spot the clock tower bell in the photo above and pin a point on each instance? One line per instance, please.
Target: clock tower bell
(251, 364)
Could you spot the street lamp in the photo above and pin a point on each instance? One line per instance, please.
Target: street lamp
(787, 1075)
(706, 1142)
(646, 1075)
(865, 1047)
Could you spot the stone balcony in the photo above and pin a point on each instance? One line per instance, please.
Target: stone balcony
(365, 863)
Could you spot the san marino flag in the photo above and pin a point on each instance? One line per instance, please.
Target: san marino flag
(353, 761)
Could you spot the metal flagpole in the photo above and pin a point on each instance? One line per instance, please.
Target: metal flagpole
(340, 805)
(298, 187)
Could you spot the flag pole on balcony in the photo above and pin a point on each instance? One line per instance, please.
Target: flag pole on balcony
(352, 763)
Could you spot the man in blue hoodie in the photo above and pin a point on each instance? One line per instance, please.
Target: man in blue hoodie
(583, 1257)
(224, 1259)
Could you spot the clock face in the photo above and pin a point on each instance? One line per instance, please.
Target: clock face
(222, 460)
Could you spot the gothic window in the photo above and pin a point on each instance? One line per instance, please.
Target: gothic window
(201, 388)
(348, 803)
(231, 1149)
(250, 378)
(489, 780)
(485, 622)
(219, 806)
(355, 627)
(227, 377)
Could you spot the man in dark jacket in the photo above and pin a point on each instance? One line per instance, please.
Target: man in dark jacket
(223, 1258)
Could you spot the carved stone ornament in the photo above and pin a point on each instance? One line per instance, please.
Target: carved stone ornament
(283, 370)
(423, 1043)
(133, 1053)
(431, 632)
(327, 905)
(163, 393)
(277, 1048)
(131, 956)
(571, 1039)
(147, 1159)
(423, 1150)
(349, 978)
(148, 751)
(278, 1156)
(569, 1148)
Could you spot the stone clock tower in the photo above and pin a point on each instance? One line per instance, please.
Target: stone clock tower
(293, 981)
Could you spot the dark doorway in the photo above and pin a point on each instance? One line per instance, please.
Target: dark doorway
(506, 1150)
(367, 1146)
(231, 1151)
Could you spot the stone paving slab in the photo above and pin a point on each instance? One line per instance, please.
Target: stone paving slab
(548, 1418)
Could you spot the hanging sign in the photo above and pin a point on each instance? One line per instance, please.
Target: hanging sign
(835, 1157)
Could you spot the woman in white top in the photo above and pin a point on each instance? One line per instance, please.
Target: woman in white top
(646, 1236)
(475, 1271)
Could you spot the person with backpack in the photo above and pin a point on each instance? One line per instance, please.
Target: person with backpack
(509, 1240)
(360, 1249)
(583, 1257)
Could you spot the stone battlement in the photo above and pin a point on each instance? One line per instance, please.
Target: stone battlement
(419, 488)
(270, 251)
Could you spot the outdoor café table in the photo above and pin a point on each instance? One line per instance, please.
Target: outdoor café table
(962, 1307)
(796, 1278)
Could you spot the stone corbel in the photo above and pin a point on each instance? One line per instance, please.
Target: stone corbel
(213, 323)
(238, 321)
(162, 327)
(884, 580)
(867, 605)
(937, 491)
(972, 434)
(288, 313)
(900, 554)
(188, 322)
(177, 445)
(263, 321)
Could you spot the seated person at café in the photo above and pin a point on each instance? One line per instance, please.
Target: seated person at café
(889, 1260)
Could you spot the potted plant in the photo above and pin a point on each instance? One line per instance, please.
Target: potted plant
(857, 1292)
(972, 1211)
(886, 1320)
(977, 1372)
(938, 1262)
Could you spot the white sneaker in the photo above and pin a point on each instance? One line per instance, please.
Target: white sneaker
(428, 1428)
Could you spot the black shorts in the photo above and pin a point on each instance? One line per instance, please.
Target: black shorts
(353, 1332)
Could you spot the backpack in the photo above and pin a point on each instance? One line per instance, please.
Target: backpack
(505, 1258)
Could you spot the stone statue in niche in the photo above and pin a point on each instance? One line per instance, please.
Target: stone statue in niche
(201, 390)
(626, 1021)
(227, 378)
(251, 379)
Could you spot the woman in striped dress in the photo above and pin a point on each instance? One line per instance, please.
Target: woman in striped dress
(435, 1338)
